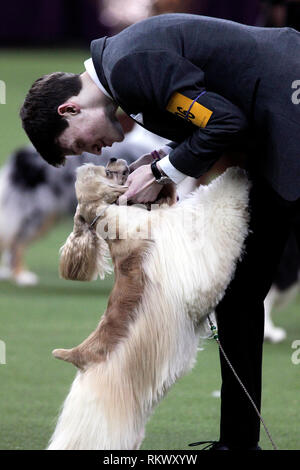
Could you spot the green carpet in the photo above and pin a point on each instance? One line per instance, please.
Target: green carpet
(59, 313)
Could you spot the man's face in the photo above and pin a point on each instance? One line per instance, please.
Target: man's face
(90, 130)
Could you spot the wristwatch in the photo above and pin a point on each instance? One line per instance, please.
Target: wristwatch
(159, 175)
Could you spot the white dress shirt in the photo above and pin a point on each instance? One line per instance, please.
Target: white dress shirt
(89, 67)
(175, 175)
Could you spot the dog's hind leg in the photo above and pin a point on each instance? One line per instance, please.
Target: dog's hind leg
(20, 273)
(18, 247)
(139, 441)
(5, 270)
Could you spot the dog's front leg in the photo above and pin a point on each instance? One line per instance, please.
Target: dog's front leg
(121, 310)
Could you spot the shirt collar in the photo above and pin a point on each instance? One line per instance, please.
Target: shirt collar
(89, 67)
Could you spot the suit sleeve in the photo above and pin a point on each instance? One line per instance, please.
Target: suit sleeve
(168, 82)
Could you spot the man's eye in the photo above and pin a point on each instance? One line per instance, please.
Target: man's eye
(78, 147)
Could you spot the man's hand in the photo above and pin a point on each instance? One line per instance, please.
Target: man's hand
(142, 187)
(145, 160)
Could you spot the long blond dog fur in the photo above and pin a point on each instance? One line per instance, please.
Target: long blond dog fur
(171, 270)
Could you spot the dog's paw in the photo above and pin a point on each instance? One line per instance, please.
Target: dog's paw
(275, 335)
(64, 355)
(26, 278)
(75, 356)
(5, 273)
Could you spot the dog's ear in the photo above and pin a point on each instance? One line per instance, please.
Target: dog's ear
(92, 184)
(84, 254)
(112, 191)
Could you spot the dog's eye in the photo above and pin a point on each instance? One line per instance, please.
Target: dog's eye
(125, 172)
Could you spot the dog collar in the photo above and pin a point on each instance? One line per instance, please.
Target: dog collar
(97, 217)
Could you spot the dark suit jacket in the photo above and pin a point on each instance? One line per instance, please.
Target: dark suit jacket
(209, 85)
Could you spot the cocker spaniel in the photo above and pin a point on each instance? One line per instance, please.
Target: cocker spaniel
(172, 266)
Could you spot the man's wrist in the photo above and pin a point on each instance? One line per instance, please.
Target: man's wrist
(159, 168)
(159, 175)
(164, 151)
(175, 175)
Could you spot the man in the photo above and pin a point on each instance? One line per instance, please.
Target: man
(208, 85)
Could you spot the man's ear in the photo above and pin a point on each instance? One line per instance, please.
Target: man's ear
(68, 108)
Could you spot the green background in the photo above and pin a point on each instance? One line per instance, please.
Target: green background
(58, 313)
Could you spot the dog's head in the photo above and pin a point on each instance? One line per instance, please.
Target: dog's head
(117, 170)
(94, 185)
(84, 254)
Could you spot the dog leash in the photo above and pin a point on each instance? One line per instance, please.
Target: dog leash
(215, 336)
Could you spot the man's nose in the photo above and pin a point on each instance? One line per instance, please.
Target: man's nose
(120, 136)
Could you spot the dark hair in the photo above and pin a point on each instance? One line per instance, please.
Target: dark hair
(39, 115)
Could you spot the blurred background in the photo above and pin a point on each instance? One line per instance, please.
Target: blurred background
(34, 36)
(39, 37)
